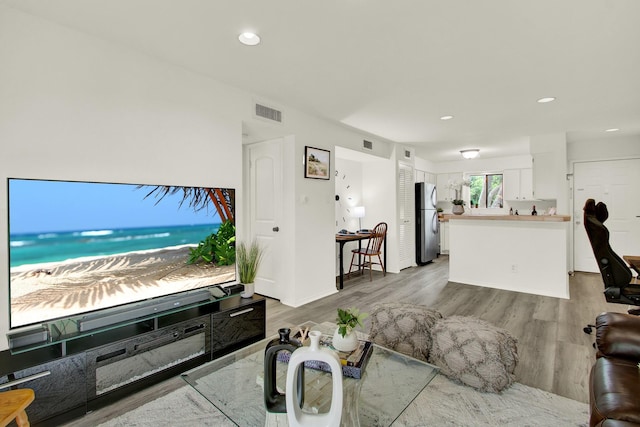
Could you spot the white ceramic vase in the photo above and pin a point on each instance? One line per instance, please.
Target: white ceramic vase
(295, 414)
(249, 288)
(347, 343)
(457, 209)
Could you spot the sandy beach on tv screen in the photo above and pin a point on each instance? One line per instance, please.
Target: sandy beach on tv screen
(62, 289)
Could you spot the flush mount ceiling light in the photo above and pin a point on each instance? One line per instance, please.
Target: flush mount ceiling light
(470, 154)
(249, 39)
(545, 100)
(446, 117)
(612, 130)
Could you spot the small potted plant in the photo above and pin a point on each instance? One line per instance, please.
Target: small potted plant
(344, 339)
(458, 207)
(248, 258)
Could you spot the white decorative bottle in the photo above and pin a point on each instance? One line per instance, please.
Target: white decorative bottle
(295, 415)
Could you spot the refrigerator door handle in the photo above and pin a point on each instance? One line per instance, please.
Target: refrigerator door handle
(435, 225)
(434, 197)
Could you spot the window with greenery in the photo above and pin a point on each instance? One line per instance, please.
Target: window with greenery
(486, 190)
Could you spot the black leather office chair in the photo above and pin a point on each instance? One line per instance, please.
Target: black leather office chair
(616, 275)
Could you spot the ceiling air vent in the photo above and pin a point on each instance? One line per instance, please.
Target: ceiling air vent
(268, 113)
(367, 144)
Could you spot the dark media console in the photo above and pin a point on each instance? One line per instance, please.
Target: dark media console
(86, 370)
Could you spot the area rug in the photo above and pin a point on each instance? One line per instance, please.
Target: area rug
(445, 403)
(442, 403)
(184, 406)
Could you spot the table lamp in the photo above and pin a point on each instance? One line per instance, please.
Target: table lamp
(358, 212)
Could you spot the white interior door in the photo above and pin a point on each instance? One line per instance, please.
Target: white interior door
(406, 216)
(612, 182)
(265, 199)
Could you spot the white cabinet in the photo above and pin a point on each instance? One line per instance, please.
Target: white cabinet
(526, 184)
(544, 176)
(424, 176)
(443, 185)
(518, 184)
(430, 178)
(444, 237)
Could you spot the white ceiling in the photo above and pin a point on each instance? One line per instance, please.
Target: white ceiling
(392, 68)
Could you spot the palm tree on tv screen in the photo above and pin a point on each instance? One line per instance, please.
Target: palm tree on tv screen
(199, 198)
(218, 247)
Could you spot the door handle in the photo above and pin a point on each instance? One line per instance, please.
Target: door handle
(25, 379)
(276, 229)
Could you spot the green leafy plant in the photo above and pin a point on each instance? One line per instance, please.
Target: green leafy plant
(218, 247)
(225, 254)
(348, 319)
(458, 202)
(248, 258)
(204, 250)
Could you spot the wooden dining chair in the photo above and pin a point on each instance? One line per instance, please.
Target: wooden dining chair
(13, 404)
(373, 249)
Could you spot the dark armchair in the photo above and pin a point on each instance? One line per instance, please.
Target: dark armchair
(616, 275)
(614, 384)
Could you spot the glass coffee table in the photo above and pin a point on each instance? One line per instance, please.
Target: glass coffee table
(234, 385)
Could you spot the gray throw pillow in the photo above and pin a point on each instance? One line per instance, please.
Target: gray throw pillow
(404, 328)
(474, 352)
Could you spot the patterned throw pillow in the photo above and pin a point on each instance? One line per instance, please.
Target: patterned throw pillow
(404, 328)
(474, 352)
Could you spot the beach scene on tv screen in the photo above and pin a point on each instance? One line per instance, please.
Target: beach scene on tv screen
(77, 247)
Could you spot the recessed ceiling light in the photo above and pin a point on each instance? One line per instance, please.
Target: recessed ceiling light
(249, 39)
(446, 117)
(612, 130)
(545, 100)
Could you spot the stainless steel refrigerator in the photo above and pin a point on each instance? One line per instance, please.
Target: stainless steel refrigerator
(427, 225)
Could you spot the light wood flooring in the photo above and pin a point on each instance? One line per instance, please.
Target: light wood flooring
(555, 354)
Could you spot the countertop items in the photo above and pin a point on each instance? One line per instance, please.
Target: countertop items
(547, 218)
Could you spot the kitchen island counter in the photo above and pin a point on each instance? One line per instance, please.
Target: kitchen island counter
(512, 252)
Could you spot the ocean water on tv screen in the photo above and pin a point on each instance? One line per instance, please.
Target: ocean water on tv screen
(45, 247)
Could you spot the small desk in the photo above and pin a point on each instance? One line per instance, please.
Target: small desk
(234, 385)
(341, 239)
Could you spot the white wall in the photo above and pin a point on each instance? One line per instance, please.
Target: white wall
(425, 165)
(315, 207)
(609, 148)
(348, 185)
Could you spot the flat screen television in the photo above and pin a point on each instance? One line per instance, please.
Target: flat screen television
(78, 247)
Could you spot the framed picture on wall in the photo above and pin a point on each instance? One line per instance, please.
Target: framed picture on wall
(317, 163)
